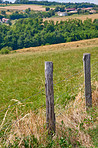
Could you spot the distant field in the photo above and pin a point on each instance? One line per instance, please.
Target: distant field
(23, 7)
(82, 17)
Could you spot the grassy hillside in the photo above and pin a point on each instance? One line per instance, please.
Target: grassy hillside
(22, 76)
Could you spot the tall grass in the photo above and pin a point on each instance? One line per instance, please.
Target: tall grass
(22, 76)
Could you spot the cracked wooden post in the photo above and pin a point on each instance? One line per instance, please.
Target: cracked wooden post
(50, 115)
(87, 80)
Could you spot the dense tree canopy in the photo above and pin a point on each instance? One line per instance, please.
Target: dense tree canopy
(30, 32)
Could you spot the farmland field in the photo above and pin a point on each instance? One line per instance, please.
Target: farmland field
(81, 17)
(23, 7)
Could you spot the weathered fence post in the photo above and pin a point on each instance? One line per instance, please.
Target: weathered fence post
(50, 115)
(87, 77)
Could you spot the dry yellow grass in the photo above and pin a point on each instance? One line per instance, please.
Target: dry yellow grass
(73, 116)
(63, 46)
(8, 13)
(24, 7)
(81, 17)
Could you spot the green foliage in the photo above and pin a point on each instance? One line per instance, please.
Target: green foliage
(65, 99)
(62, 9)
(28, 10)
(5, 50)
(16, 15)
(27, 142)
(94, 135)
(64, 143)
(3, 12)
(48, 3)
(30, 32)
(47, 8)
(1, 16)
(9, 22)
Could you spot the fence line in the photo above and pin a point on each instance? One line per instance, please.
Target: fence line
(73, 75)
(44, 89)
(44, 105)
(21, 118)
(77, 99)
(22, 100)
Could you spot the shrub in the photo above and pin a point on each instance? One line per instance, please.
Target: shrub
(5, 50)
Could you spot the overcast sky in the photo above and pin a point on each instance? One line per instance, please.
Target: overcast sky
(91, 1)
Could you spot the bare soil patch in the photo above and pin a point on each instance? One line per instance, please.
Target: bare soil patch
(24, 7)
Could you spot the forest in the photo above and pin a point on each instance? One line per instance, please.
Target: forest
(32, 32)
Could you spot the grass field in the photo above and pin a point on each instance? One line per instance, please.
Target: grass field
(23, 7)
(22, 76)
(81, 17)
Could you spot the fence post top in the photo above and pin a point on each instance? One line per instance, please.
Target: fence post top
(86, 54)
(46, 62)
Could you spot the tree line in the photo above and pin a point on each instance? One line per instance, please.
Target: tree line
(48, 3)
(30, 32)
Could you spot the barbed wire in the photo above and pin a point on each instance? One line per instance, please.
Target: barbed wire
(77, 99)
(69, 77)
(56, 98)
(44, 89)
(22, 100)
(73, 75)
(69, 90)
(43, 106)
(94, 63)
(21, 118)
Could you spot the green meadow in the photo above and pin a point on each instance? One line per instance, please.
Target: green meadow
(22, 82)
(22, 76)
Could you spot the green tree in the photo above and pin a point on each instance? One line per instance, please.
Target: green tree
(62, 9)
(28, 10)
(47, 8)
(3, 12)
(9, 22)
(57, 9)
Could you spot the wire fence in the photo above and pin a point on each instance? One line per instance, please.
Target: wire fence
(5, 126)
(66, 79)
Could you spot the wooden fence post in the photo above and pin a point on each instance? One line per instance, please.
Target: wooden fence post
(50, 115)
(87, 77)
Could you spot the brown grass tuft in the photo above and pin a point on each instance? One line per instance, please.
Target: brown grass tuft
(75, 122)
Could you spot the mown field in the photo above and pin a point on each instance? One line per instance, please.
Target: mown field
(23, 7)
(81, 17)
(22, 77)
